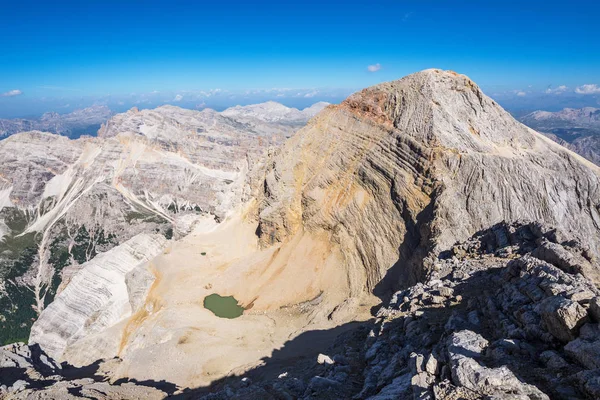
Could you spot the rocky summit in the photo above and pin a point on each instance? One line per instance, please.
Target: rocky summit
(414, 241)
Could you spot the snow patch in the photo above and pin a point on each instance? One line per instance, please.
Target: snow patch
(3, 230)
(5, 198)
(58, 185)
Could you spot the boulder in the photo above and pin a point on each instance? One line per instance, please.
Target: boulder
(594, 310)
(562, 317)
(587, 353)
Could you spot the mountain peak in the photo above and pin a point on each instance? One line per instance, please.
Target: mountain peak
(453, 159)
(272, 111)
(441, 108)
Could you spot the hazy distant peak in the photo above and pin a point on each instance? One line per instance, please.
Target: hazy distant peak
(580, 115)
(315, 108)
(84, 121)
(272, 111)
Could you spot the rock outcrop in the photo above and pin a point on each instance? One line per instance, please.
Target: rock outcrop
(28, 373)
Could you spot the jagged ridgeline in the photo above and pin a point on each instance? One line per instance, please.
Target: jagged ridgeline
(62, 202)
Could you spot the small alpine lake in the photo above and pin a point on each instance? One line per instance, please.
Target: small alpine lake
(223, 306)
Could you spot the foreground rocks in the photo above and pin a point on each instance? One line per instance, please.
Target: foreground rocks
(493, 322)
(28, 373)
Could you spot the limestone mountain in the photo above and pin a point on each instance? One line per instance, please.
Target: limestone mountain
(409, 167)
(589, 116)
(479, 236)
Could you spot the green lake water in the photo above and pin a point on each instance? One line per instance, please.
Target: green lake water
(224, 307)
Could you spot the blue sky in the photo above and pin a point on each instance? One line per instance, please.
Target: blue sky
(64, 54)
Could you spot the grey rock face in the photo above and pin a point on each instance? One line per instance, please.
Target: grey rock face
(586, 352)
(464, 348)
(563, 317)
(594, 309)
(31, 374)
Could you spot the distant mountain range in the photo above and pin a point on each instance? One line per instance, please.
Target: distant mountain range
(86, 121)
(89, 120)
(576, 129)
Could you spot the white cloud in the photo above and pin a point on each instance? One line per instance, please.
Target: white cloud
(311, 94)
(178, 98)
(374, 68)
(588, 89)
(11, 93)
(521, 93)
(212, 92)
(557, 90)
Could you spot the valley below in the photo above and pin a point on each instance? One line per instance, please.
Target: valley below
(414, 241)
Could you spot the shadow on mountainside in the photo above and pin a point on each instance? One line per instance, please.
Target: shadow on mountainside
(47, 373)
(165, 386)
(415, 246)
(297, 358)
